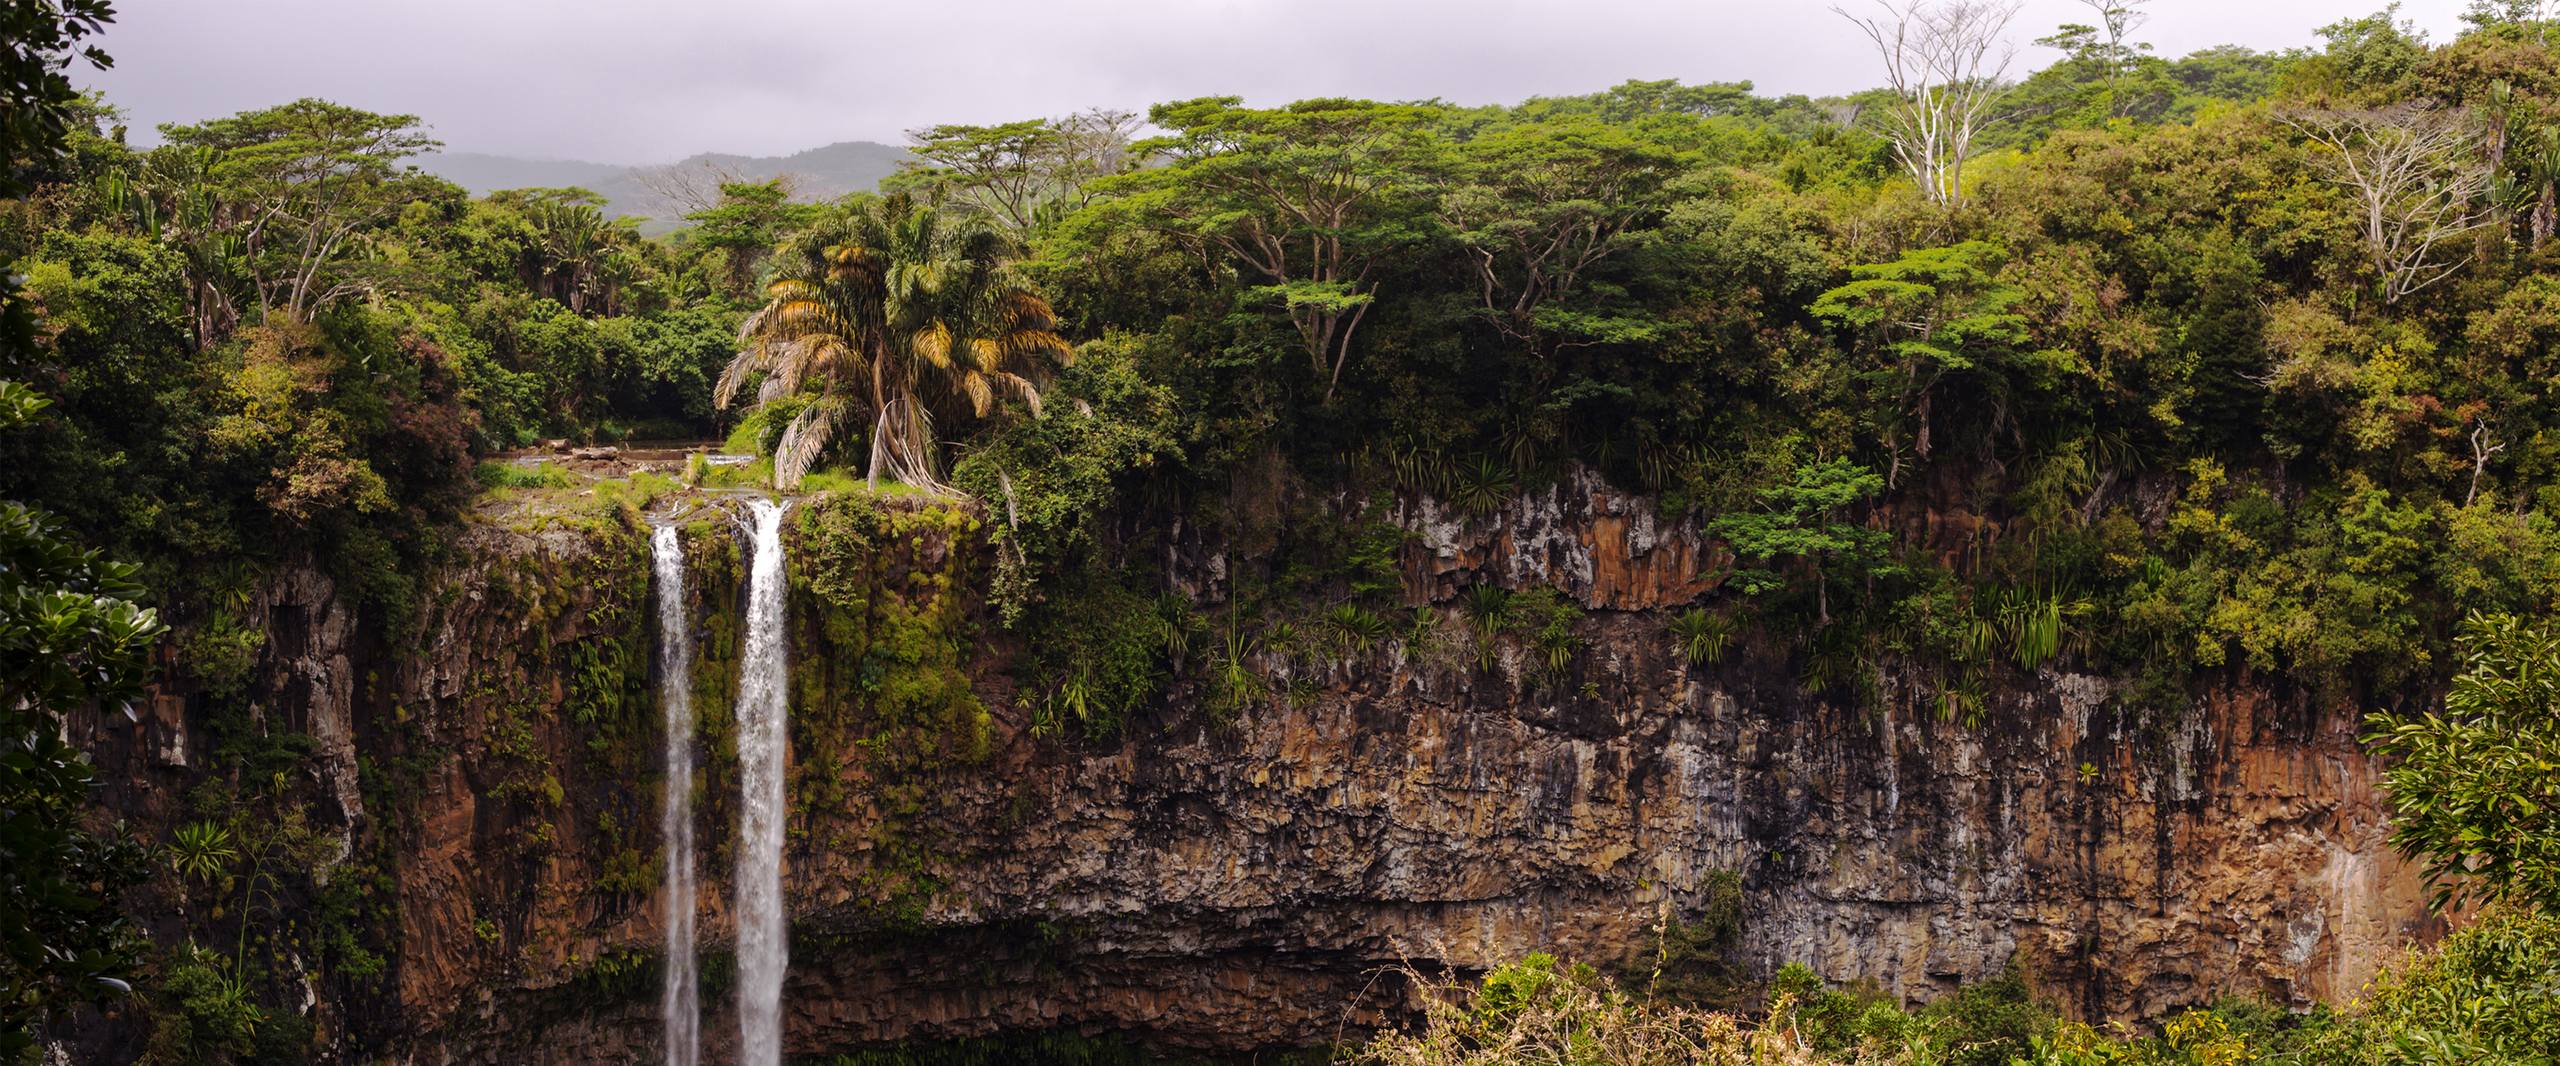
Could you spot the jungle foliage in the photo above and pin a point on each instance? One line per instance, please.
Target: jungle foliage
(2178, 391)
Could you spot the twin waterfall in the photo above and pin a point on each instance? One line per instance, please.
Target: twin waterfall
(681, 1006)
(764, 691)
(763, 947)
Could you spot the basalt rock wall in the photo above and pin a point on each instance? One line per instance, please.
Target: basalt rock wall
(1239, 883)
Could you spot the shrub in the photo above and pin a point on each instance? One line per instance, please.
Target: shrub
(2490, 993)
(1702, 635)
(2473, 794)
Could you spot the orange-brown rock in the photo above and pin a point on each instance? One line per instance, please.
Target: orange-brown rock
(1240, 885)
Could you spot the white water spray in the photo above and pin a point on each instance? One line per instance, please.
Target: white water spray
(763, 708)
(680, 1007)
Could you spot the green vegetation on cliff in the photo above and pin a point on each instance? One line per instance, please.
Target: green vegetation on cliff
(2232, 368)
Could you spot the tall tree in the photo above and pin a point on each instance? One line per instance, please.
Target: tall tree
(1313, 199)
(2111, 43)
(1944, 61)
(1540, 209)
(1021, 174)
(1805, 518)
(898, 314)
(2419, 183)
(71, 637)
(1933, 315)
(749, 219)
(303, 188)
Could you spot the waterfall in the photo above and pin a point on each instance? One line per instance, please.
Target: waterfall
(763, 706)
(680, 1006)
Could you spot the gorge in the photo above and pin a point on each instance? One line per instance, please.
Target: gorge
(1231, 886)
(1672, 574)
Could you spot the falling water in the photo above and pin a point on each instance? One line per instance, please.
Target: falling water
(763, 704)
(680, 1006)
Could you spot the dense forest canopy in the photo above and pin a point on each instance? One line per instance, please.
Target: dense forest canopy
(2235, 364)
(2219, 358)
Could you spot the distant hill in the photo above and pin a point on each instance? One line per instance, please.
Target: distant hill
(659, 193)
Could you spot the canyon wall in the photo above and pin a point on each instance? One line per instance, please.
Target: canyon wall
(1238, 882)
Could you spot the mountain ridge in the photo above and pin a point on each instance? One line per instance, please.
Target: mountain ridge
(661, 195)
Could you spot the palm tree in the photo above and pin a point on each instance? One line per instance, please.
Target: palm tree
(898, 314)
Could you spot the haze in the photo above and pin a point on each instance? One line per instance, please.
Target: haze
(644, 81)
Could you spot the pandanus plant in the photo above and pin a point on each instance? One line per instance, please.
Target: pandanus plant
(900, 316)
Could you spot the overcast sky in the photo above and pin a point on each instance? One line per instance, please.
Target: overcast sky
(645, 81)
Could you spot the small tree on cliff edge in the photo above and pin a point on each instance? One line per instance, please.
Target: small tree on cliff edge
(2475, 788)
(1805, 519)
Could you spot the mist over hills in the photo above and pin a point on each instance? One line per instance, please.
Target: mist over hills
(659, 193)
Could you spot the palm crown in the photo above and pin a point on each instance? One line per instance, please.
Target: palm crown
(900, 314)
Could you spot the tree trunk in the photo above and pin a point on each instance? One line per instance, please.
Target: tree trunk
(2546, 210)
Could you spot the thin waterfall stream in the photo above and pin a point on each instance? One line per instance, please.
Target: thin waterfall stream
(763, 710)
(680, 1005)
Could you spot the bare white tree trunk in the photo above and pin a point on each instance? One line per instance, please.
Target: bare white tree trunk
(1945, 63)
(2419, 182)
(2483, 448)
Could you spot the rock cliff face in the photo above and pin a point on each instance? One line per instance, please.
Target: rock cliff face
(1238, 884)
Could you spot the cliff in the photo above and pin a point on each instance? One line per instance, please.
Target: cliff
(1233, 882)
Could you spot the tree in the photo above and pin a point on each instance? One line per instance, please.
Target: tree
(688, 188)
(1021, 174)
(2475, 788)
(580, 258)
(2534, 14)
(2104, 74)
(171, 199)
(900, 314)
(2418, 181)
(71, 639)
(39, 40)
(301, 188)
(1314, 199)
(744, 226)
(1929, 315)
(1802, 519)
(2369, 60)
(1540, 208)
(1944, 83)
(2106, 46)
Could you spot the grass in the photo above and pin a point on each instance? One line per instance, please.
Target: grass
(640, 491)
(758, 475)
(505, 475)
(541, 495)
(742, 440)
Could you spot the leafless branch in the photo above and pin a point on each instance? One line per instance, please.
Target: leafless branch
(2418, 180)
(1945, 62)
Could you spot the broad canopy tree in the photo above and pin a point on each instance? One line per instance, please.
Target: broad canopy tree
(1020, 175)
(302, 188)
(749, 218)
(1934, 315)
(1541, 208)
(1313, 200)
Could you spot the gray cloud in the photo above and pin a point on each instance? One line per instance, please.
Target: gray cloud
(638, 81)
